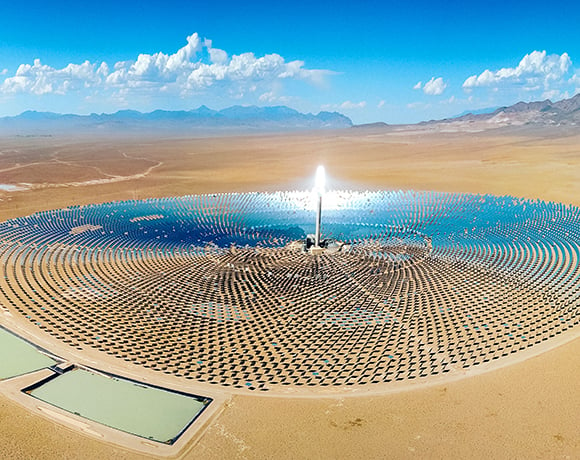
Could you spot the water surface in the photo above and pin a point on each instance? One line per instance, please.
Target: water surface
(18, 357)
(149, 412)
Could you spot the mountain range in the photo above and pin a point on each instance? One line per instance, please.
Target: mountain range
(252, 119)
(531, 114)
(197, 121)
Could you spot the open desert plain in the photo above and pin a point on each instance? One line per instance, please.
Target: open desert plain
(522, 406)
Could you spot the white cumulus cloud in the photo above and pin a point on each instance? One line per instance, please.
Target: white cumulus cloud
(197, 67)
(434, 87)
(43, 79)
(419, 85)
(555, 94)
(536, 70)
(575, 81)
(348, 105)
(272, 98)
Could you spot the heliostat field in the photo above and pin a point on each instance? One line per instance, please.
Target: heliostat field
(220, 288)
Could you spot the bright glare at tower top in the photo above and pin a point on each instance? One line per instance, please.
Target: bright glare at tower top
(320, 180)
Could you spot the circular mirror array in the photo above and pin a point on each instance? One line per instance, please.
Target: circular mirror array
(220, 289)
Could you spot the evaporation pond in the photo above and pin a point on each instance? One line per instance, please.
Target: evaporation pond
(18, 357)
(149, 412)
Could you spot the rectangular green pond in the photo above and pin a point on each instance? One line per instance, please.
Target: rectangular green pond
(18, 357)
(149, 412)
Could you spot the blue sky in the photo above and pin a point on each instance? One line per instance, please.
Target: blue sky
(396, 62)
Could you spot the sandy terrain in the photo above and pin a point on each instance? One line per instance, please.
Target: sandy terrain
(527, 410)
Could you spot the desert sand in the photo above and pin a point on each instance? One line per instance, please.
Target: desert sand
(529, 409)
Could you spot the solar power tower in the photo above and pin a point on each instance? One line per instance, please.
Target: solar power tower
(319, 190)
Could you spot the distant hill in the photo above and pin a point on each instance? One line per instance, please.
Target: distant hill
(538, 117)
(375, 125)
(538, 113)
(525, 116)
(477, 112)
(197, 121)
